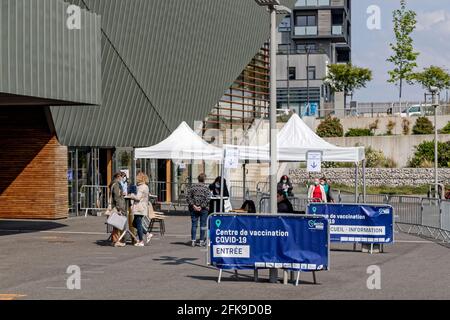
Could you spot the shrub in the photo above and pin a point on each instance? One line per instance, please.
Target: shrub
(424, 155)
(446, 129)
(423, 126)
(389, 127)
(330, 127)
(374, 126)
(405, 126)
(358, 132)
(377, 159)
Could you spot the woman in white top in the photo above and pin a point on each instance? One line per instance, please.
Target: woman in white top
(140, 208)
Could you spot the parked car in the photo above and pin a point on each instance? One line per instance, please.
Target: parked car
(417, 110)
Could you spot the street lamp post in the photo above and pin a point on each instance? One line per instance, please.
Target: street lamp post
(274, 8)
(435, 103)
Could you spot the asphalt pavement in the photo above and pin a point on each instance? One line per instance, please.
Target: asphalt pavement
(35, 257)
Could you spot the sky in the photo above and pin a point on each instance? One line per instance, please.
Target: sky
(370, 48)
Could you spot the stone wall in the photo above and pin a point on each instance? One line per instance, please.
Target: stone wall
(376, 176)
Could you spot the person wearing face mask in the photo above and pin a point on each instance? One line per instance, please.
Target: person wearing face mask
(215, 191)
(124, 184)
(285, 186)
(327, 188)
(316, 192)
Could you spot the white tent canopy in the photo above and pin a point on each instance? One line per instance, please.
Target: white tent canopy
(295, 140)
(182, 144)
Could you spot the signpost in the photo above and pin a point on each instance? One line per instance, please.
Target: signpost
(357, 223)
(314, 161)
(266, 241)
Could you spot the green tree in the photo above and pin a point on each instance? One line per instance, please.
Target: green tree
(446, 129)
(330, 127)
(424, 154)
(423, 126)
(433, 77)
(347, 78)
(404, 57)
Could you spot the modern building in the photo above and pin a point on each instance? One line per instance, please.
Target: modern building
(317, 33)
(76, 101)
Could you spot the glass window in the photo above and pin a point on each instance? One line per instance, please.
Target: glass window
(306, 21)
(292, 75)
(285, 25)
(311, 73)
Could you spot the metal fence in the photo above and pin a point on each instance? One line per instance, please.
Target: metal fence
(424, 216)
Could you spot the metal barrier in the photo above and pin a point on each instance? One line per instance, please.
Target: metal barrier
(445, 215)
(93, 198)
(299, 204)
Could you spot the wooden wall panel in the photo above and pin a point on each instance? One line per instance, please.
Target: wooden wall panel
(324, 20)
(33, 167)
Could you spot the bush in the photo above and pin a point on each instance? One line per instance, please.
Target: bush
(405, 126)
(423, 126)
(389, 127)
(446, 129)
(358, 132)
(377, 159)
(330, 127)
(374, 126)
(424, 155)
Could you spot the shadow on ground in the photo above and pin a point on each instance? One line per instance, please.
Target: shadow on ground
(11, 227)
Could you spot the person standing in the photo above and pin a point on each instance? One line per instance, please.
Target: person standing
(117, 202)
(285, 186)
(198, 197)
(327, 188)
(214, 204)
(124, 183)
(140, 208)
(316, 192)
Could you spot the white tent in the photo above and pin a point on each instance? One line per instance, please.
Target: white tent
(295, 140)
(182, 144)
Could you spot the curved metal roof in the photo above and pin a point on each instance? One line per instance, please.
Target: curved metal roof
(163, 61)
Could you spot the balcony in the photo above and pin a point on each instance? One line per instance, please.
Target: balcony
(305, 31)
(337, 30)
(313, 3)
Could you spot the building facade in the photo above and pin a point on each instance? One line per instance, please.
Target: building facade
(77, 101)
(317, 33)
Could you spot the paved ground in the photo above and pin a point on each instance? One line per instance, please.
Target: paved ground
(34, 257)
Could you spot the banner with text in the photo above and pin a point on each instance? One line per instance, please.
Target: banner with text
(357, 223)
(244, 241)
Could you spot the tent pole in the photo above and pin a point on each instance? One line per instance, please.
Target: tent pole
(364, 180)
(356, 182)
(221, 182)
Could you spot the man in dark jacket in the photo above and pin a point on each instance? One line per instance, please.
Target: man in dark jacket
(198, 197)
(284, 205)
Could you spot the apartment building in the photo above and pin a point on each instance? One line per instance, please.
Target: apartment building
(317, 33)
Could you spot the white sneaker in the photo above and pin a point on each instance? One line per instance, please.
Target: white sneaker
(193, 243)
(148, 237)
(139, 244)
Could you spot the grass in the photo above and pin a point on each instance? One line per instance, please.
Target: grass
(400, 190)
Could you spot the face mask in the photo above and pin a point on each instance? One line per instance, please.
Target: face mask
(217, 185)
(284, 181)
(316, 183)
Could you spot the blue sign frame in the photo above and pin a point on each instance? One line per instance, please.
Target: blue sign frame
(357, 223)
(266, 241)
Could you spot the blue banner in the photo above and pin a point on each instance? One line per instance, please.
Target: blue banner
(295, 242)
(357, 223)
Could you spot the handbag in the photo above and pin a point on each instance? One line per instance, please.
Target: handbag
(117, 220)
